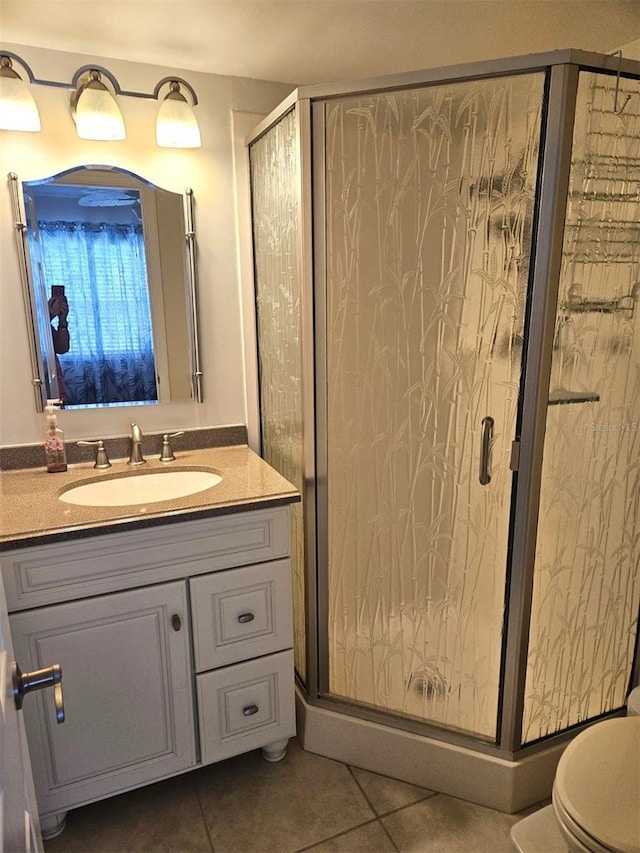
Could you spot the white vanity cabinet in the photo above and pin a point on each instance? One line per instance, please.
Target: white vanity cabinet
(175, 647)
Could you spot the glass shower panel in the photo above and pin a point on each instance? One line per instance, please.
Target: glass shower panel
(587, 568)
(429, 204)
(275, 187)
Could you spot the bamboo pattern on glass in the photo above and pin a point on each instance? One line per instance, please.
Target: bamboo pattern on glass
(429, 209)
(275, 186)
(587, 576)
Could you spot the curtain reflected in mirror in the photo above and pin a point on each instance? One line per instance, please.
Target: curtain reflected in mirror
(110, 289)
(103, 269)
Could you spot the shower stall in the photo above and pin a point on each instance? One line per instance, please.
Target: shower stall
(447, 275)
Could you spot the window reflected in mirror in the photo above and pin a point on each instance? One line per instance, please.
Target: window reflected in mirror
(112, 289)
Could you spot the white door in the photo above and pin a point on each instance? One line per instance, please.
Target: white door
(19, 827)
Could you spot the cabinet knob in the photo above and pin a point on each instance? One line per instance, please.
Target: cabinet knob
(243, 618)
(176, 624)
(250, 710)
(26, 682)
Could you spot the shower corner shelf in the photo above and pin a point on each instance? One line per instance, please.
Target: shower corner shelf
(625, 304)
(563, 398)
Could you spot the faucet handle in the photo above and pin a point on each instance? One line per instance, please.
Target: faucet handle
(166, 454)
(102, 460)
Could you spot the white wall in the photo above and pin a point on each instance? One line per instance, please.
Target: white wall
(631, 50)
(208, 170)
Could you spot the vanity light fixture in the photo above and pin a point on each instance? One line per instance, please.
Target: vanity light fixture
(18, 110)
(176, 125)
(95, 111)
(94, 105)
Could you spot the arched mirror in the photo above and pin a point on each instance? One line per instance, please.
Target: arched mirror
(110, 290)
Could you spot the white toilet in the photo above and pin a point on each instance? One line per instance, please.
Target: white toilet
(596, 795)
(596, 792)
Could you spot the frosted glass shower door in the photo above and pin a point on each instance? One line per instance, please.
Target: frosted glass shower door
(586, 587)
(275, 188)
(429, 197)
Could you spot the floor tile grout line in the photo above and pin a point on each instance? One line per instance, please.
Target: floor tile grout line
(204, 821)
(408, 805)
(388, 834)
(372, 807)
(401, 809)
(374, 819)
(362, 791)
(392, 811)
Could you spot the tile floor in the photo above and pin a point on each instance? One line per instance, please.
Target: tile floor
(303, 803)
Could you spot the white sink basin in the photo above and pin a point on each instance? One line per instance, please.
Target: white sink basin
(130, 489)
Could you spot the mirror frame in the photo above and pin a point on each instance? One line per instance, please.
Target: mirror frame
(28, 288)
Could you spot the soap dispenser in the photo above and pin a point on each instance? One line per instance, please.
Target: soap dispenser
(54, 440)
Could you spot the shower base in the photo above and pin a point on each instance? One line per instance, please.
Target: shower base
(508, 786)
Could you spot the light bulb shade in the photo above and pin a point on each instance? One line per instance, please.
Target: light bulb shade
(96, 113)
(176, 125)
(18, 110)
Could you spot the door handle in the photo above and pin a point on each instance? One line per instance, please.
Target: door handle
(26, 682)
(486, 440)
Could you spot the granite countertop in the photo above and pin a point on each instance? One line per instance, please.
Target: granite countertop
(32, 514)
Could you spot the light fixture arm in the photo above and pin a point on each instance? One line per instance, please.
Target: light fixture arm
(174, 79)
(73, 84)
(30, 74)
(104, 72)
(7, 55)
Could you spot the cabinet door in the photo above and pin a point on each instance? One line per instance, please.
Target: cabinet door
(127, 693)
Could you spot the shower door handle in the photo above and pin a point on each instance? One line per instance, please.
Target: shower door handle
(486, 440)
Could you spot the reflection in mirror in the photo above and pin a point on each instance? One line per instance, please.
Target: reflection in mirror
(110, 289)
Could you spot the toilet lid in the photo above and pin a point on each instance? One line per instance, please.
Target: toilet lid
(598, 783)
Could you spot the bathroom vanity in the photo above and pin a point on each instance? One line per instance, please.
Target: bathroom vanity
(171, 622)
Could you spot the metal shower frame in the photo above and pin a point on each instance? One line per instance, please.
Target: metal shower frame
(562, 70)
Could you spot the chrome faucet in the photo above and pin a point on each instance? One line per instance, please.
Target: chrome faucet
(135, 446)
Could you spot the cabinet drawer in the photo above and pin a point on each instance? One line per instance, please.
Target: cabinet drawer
(241, 613)
(64, 571)
(246, 706)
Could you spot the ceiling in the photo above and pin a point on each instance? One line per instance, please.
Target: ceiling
(317, 41)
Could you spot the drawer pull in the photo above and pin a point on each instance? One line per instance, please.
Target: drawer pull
(250, 710)
(243, 618)
(176, 624)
